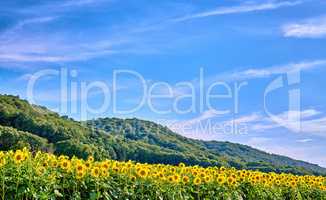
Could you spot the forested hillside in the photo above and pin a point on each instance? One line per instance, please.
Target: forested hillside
(35, 127)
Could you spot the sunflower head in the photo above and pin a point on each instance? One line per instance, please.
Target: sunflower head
(185, 179)
(104, 173)
(90, 159)
(182, 165)
(19, 157)
(197, 181)
(95, 172)
(80, 174)
(176, 178)
(80, 167)
(65, 164)
(221, 179)
(40, 170)
(142, 173)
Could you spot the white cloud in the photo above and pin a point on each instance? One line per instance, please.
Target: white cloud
(209, 114)
(244, 8)
(312, 154)
(311, 28)
(309, 121)
(246, 119)
(76, 56)
(47, 7)
(253, 73)
(309, 113)
(305, 140)
(73, 3)
(10, 34)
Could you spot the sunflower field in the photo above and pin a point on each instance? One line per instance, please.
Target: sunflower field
(40, 175)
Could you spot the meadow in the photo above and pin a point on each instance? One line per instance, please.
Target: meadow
(26, 175)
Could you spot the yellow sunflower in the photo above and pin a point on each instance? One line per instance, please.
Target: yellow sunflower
(197, 181)
(80, 174)
(65, 164)
(18, 157)
(142, 173)
(185, 179)
(95, 172)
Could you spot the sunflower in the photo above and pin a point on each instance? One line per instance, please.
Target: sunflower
(105, 173)
(80, 174)
(65, 164)
(182, 165)
(54, 163)
(88, 164)
(45, 164)
(80, 167)
(105, 165)
(2, 162)
(221, 179)
(176, 178)
(195, 173)
(231, 180)
(95, 172)
(18, 157)
(142, 173)
(207, 179)
(40, 170)
(171, 179)
(160, 175)
(61, 157)
(185, 179)
(202, 175)
(293, 183)
(90, 159)
(129, 164)
(197, 181)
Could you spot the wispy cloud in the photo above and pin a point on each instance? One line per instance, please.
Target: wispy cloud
(37, 20)
(312, 154)
(244, 8)
(72, 3)
(45, 46)
(208, 114)
(10, 33)
(253, 73)
(51, 7)
(305, 140)
(311, 28)
(310, 121)
(30, 57)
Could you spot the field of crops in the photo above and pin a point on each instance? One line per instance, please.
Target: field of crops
(45, 176)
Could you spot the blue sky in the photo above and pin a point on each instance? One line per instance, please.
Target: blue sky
(250, 42)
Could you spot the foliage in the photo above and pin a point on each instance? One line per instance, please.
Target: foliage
(46, 176)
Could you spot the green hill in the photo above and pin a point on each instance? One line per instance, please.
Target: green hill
(23, 124)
